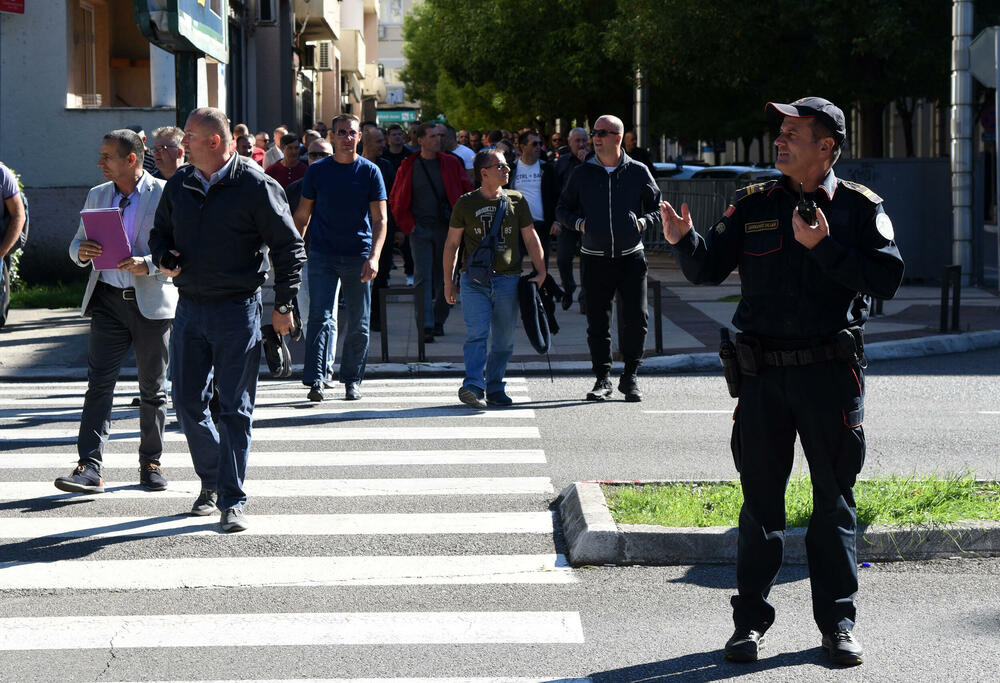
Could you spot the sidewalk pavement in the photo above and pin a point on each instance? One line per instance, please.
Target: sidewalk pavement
(52, 344)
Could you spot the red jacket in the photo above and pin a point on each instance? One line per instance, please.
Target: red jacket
(456, 183)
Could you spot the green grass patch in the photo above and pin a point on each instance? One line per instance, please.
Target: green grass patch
(58, 295)
(731, 299)
(894, 500)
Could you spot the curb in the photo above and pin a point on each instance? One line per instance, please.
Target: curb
(593, 538)
(654, 365)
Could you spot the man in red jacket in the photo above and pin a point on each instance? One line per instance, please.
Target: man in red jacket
(427, 185)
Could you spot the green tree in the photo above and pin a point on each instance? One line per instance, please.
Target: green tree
(484, 63)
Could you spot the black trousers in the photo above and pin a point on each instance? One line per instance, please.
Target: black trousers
(566, 251)
(116, 325)
(824, 404)
(602, 278)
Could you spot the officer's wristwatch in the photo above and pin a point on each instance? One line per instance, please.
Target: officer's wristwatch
(282, 308)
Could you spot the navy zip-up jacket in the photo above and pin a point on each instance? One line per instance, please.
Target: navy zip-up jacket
(789, 292)
(221, 235)
(616, 206)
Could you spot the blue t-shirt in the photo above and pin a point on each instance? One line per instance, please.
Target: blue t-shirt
(341, 220)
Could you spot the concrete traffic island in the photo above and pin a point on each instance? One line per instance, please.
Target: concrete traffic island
(594, 538)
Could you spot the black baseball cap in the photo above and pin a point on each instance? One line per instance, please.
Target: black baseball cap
(826, 111)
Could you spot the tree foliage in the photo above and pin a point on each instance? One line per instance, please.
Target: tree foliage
(485, 64)
(710, 65)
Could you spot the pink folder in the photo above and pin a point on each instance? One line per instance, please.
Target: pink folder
(105, 226)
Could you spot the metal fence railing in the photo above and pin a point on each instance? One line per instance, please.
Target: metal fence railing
(707, 199)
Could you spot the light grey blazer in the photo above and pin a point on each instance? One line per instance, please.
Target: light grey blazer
(154, 293)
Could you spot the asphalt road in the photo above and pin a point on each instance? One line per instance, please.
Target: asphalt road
(424, 599)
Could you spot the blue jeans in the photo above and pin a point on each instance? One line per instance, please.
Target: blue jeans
(490, 314)
(328, 275)
(220, 340)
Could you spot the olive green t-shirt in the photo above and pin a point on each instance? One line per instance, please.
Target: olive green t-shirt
(473, 213)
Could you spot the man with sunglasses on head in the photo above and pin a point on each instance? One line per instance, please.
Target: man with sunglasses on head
(343, 201)
(609, 200)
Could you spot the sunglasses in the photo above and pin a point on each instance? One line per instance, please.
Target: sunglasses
(163, 148)
(500, 167)
(341, 133)
(602, 132)
(318, 155)
(536, 143)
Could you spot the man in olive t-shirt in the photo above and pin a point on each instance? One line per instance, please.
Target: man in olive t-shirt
(474, 213)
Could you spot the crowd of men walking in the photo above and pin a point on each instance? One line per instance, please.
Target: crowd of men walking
(211, 210)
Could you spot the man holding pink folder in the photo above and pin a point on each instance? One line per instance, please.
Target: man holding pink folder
(131, 305)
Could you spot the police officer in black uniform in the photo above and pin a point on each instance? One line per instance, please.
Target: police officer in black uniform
(806, 291)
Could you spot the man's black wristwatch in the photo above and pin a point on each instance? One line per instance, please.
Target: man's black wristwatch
(283, 309)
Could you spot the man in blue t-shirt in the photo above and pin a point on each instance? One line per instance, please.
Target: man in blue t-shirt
(343, 201)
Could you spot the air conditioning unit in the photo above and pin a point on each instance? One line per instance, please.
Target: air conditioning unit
(267, 12)
(325, 60)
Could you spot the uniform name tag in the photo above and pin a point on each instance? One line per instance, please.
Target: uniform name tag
(761, 226)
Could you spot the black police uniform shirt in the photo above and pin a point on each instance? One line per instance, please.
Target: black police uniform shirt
(790, 292)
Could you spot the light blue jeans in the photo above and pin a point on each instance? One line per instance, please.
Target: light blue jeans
(329, 276)
(490, 315)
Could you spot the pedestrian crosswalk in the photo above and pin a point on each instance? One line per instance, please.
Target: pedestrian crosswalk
(404, 519)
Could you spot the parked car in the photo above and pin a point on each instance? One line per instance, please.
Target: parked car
(743, 174)
(670, 170)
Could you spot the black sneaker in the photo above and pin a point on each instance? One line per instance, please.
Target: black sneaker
(84, 479)
(499, 399)
(353, 391)
(567, 298)
(233, 519)
(601, 391)
(205, 504)
(630, 387)
(151, 477)
(471, 397)
(316, 392)
(843, 647)
(744, 645)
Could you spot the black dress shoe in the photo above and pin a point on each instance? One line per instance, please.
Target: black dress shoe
(843, 647)
(428, 335)
(744, 645)
(316, 394)
(353, 391)
(439, 330)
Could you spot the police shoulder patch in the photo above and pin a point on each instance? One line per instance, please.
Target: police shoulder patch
(862, 190)
(745, 192)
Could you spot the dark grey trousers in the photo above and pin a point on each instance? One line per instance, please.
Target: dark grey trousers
(116, 325)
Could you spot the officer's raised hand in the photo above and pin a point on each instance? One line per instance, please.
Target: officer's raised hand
(806, 235)
(675, 227)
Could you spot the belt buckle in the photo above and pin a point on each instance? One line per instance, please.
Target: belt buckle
(128, 294)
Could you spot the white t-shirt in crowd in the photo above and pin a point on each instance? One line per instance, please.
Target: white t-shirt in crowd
(468, 156)
(528, 181)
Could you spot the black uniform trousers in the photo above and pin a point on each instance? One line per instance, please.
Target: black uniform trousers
(824, 404)
(602, 278)
(117, 325)
(566, 251)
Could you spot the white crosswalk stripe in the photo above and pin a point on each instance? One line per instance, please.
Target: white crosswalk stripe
(298, 440)
(287, 433)
(14, 460)
(284, 525)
